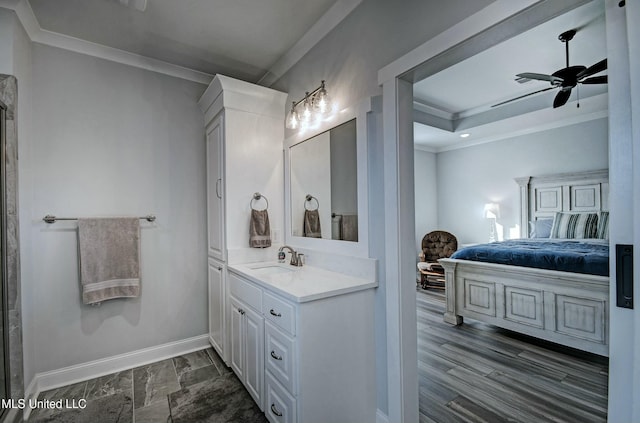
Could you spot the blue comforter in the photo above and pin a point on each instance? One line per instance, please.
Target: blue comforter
(577, 256)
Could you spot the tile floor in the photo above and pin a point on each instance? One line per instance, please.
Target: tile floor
(195, 387)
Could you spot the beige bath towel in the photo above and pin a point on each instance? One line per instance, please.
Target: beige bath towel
(311, 224)
(259, 229)
(109, 252)
(349, 227)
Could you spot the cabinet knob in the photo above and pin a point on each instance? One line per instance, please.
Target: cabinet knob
(277, 357)
(273, 313)
(275, 411)
(220, 268)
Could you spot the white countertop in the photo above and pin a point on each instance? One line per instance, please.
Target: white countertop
(301, 284)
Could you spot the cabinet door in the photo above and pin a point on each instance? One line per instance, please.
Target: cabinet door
(215, 188)
(216, 306)
(254, 349)
(236, 329)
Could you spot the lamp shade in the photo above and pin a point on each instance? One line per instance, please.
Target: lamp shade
(492, 210)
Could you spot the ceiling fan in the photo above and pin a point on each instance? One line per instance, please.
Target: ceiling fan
(567, 78)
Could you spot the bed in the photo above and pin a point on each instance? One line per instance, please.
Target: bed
(567, 302)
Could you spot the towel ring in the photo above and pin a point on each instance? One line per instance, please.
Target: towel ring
(257, 196)
(308, 199)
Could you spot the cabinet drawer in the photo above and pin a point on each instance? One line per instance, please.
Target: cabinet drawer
(280, 406)
(280, 312)
(280, 356)
(246, 292)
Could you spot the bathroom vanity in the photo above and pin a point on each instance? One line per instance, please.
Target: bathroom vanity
(244, 134)
(302, 341)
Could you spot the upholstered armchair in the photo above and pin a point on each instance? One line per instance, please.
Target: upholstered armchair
(435, 245)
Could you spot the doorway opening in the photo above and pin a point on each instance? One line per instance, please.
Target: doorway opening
(477, 127)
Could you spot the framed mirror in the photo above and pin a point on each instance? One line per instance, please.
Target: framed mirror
(324, 188)
(326, 184)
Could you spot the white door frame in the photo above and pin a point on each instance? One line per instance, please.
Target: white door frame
(623, 51)
(402, 381)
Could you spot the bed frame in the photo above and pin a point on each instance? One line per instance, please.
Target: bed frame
(570, 309)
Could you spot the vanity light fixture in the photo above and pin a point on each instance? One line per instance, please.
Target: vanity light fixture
(313, 107)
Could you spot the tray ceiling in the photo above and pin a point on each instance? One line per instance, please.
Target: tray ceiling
(461, 96)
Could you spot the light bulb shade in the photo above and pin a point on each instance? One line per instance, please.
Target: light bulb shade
(293, 120)
(307, 108)
(323, 102)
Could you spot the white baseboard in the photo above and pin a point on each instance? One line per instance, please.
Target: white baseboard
(92, 369)
(381, 417)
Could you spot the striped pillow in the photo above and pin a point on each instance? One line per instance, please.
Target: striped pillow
(575, 225)
(603, 225)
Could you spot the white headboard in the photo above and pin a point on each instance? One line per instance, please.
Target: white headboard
(543, 196)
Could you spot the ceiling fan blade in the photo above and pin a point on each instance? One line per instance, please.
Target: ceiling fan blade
(592, 70)
(561, 98)
(596, 80)
(522, 96)
(541, 77)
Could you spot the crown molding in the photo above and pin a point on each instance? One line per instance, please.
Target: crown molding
(430, 109)
(425, 148)
(27, 18)
(317, 32)
(573, 120)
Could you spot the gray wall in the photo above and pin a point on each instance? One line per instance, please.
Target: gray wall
(426, 193)
(7, 18)
(470, 177)
(376, 33)
(111, 140)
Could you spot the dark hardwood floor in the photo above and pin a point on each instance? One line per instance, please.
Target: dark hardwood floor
(479, 373)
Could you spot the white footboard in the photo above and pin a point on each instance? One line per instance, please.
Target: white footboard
(566, 308)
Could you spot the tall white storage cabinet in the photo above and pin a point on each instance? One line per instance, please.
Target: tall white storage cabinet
(245, 130)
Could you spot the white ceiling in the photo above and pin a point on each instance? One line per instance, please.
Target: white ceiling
(461, 96)
(239, 38)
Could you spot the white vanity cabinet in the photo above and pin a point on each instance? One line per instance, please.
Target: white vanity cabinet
(216, 277)
(244, 133)
(246, 326)
(247, 346)
(318, 362)
(215, 186)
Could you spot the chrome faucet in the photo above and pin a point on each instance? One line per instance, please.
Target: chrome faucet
(295, 259)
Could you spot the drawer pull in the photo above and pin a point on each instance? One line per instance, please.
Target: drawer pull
(275, 411)
(273, 354)
(241, 311)
(273, 313)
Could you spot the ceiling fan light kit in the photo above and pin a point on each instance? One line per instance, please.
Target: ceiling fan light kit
(565, 79)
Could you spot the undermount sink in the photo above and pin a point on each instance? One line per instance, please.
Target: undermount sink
(270, 269)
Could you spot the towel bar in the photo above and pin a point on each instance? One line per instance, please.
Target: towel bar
(52, 219)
